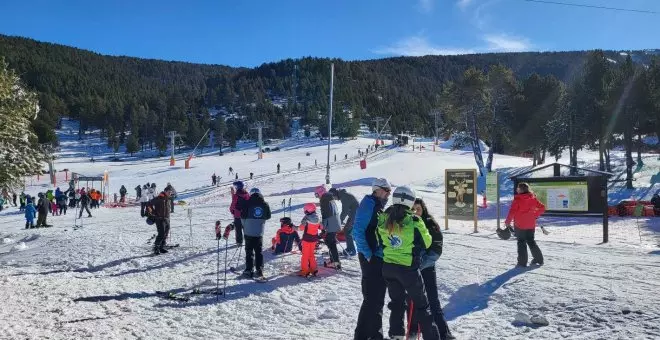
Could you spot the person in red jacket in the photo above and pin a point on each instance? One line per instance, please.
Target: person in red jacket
(526, 208)
(238, 195)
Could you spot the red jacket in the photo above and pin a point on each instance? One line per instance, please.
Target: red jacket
(526, 208)
(234, 199)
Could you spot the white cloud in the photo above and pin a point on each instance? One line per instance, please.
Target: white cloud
(506, 43)
(418, 45)
(463, 3)
(425, 5)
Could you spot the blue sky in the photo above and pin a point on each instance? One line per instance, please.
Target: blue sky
(251, 32)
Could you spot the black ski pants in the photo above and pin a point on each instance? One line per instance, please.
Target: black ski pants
(331, 243)
(41, 219)
(143, 207)
(163, 228)
(405, 281)
(253, 246)
(62, 208)
(431, 286)
(370, 320)
(526, 239)
(238, 229)
(84, 207)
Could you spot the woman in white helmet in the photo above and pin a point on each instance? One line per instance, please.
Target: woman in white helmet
(403, 238)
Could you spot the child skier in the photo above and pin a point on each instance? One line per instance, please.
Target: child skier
(403, 236)
(310, 225)
(285, 237)
(30, 213)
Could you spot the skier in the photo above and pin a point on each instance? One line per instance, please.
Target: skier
(122, 194)
(310, 225)
(22, 200)
(169, 188)
(335, 157)
(30, 213)
(138, 193)
(251, 174)
(285, 237)
(42, 210)
(231, 171)
(331, 224)
(213, 179)
(159, 210)
(427, 269)
(298, 165)
(370, 322)
(254, 214)
(238, 194)
(72, 199)
(278, 168)
(14, 197)
(315, 163)
(403, 236)
(53, 205)
(84, 203)
(525, 209)
(349, 206)
(236, 176)
(61, 203)
(49, 196)
(144, 200)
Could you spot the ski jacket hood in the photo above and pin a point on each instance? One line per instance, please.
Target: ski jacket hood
(525, 209)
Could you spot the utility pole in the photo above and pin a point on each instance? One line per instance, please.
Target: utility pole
(378, 120)
(332, 81)
(259, 126)
(172, 136)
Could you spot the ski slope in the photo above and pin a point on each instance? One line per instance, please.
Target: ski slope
(100, 281)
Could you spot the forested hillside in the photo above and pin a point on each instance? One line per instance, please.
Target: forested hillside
(517, 102)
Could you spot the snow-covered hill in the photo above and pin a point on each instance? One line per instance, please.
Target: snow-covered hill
(100, 281)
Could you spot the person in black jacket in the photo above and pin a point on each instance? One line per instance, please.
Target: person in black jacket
(138, 193)
(656, 204)
(254, 214)
(349, 206)
(427, 269)
(84, 203)
(159, 210)
(42, 210)
(122, 194)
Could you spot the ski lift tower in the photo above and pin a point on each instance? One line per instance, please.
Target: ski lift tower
(173, 135)
(259, 126)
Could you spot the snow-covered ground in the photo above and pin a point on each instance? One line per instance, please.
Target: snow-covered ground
(100, 281)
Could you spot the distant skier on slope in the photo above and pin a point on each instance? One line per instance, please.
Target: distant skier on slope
(213, 179)
(238, 195)
(525, 209)
(122, 194)
(138, 193)
(254, 214)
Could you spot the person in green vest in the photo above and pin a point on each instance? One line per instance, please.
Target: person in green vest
(404, 238)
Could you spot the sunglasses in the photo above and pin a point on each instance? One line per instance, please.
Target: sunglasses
(387, 190)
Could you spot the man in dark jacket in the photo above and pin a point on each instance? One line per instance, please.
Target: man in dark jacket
(122, 194)
(370, 319)
(84, 204)
(42, 211)
(331, 224)
(159, 210)
(138, 193)
(349, 205)
(254, 214)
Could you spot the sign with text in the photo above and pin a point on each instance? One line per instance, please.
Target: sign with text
(460, 195)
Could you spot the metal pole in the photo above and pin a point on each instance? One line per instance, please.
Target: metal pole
(332, 80)
(498, 200)
(260, 129)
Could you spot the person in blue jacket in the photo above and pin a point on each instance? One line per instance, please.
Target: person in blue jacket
(30, 213)
(370, 320)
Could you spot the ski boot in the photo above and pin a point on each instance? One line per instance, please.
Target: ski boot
(162, 250)
(247, 273)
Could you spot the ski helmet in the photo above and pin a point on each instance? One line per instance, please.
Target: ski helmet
(254, 191)
(309, 208)
(285, 220)
(238, 185)
(320, 191)
(504, 234)
(150, 220)
(380, 183)
(404, 195)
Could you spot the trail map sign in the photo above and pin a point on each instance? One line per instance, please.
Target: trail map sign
(493, 192)
(563, 196)
(460, 195)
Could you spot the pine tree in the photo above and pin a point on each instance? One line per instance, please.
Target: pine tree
(501, 90)
(132, 145)
(20, 155)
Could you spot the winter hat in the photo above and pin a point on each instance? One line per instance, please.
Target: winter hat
(381, 183)
(238, 185)
(404, 196)
(334, 192)
(309, 208)
(320, 191)
(254, 191)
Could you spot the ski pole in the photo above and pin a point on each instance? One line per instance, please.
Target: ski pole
(217, 273)
(224, 289)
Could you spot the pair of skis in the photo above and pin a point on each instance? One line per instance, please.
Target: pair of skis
(185, 297)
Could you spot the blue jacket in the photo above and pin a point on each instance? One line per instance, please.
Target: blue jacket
(364, 228)
(30, 212)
